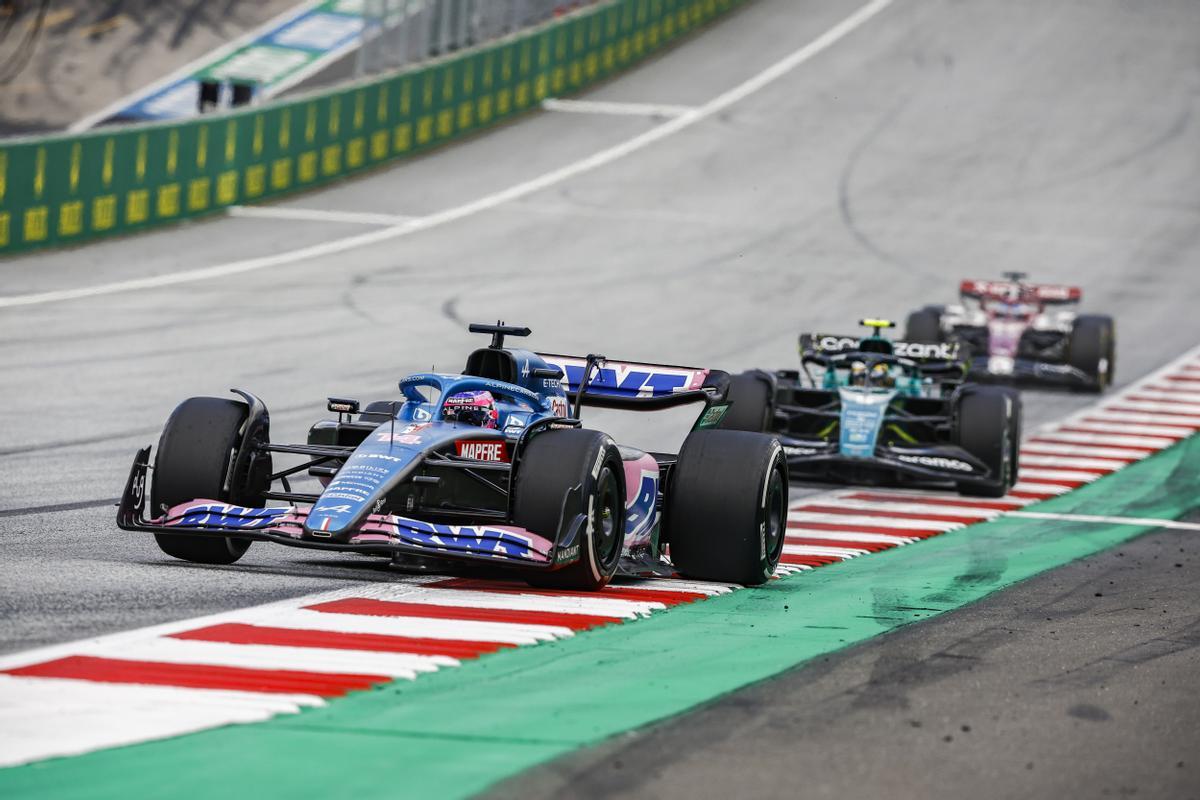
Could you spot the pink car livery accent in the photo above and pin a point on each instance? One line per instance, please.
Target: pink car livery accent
(1018, 331)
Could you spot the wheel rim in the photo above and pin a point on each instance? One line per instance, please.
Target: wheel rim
(607, 524)
(776, 512)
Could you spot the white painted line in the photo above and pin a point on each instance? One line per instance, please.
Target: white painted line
(1058, 474)
(849, 522)
(487, 202)
(1187, 410)
(848, 536)
(269, 657)
(934, 509)
(191, 67)
(1130, 428)
(1168, 394)
(676, 585)
(1047, 489)
(1123, 454)
(1139, 521)
(1137, 442)
(1126, 420)
(422, 627)
(512, 601)
(844, 553)
(660, 110)
(1032, 459)
(316, 215)
(45, 717)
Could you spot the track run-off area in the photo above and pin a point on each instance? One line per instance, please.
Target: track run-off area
(866, 158)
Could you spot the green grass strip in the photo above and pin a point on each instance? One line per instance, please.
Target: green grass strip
(458, 731)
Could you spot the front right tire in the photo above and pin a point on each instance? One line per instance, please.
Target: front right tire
(988, 427)
(1092, 349)
(564, 473)
(726, 507)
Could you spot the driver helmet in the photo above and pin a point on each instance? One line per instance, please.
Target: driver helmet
(858, 373)
(882, 376)
(472, 408)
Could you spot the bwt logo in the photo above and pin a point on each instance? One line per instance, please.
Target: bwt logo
(480, 540)
(629, 381)
(226, 516)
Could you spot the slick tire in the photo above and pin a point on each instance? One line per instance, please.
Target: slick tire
(750, 404)
(564, 473)
(1092, 349)
(726, 510)
(988, 427)
(924, 326)
(194, 454)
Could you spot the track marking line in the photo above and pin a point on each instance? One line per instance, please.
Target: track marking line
(316, 215)
(602, 158)
(1139, 521)
(659, 110)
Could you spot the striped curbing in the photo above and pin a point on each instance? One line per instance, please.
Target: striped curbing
(252, 664)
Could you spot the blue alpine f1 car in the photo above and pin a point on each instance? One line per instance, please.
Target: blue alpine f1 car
(491, 466)
(874, 411)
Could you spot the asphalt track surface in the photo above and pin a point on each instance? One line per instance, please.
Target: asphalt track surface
(937, 141)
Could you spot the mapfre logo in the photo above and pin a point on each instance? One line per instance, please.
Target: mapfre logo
(482, 451)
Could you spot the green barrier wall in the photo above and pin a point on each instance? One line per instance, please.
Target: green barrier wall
(61, 190)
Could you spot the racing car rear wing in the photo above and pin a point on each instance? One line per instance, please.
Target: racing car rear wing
(826, 344)
(1004, 290)
(636, 385)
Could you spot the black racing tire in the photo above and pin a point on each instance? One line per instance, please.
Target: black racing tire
(726, 509)
(1092, 349)
(583, 469)
(987, 427)
(750, 408)
(194, 454)
(1014, 443)
(924, 326)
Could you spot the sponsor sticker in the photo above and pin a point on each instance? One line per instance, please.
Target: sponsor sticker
(712, 417)
(492, 450)
(567, 554)
(937, 462)
(945, 351)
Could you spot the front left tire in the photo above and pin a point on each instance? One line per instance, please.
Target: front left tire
(195, 453)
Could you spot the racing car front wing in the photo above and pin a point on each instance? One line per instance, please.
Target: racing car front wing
(821, 460)
(988, 369)
(378, 534)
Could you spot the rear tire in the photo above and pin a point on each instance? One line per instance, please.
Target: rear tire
(195, 452)
(1092, 349)
(582, 468)
(988, 427)
(726, 514)
(750, 398)
(924, 326)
